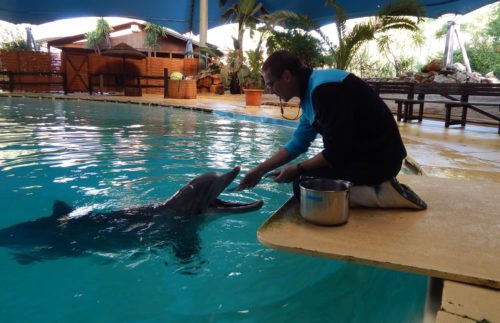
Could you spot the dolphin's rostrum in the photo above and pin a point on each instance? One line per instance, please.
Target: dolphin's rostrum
(173, 224)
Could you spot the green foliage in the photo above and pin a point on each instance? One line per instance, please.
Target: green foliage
(493, 29)
(389, 17)
(310, 49)
(99, 38)
(246, 14)
(93, 41)
(484, 48)
(365, 65)
(15, 45)
(255, 61)
(153, 35)
(483, 58)
(441, 32)
(305, 46)
(396, 52)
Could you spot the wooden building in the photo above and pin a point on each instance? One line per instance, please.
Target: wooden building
(85, 71)
(133, 34)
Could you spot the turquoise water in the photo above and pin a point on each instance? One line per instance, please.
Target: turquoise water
(106, 156)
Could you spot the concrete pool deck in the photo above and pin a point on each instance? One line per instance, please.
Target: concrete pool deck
(470, 153)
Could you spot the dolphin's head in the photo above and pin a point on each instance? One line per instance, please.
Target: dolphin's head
(200, 195)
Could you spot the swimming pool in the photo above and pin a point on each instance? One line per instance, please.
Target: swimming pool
(108, 156)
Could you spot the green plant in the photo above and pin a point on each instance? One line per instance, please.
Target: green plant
(395, 52)
(255, 62)
(390, 16)
(15, 45)
(99, 38)
(245, 13)
(483, 58)
(308, 48)
(484, 48)
(153, 35)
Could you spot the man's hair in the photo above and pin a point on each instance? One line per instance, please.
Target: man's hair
(282, 60)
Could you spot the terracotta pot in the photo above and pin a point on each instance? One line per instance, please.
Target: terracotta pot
(253, 96)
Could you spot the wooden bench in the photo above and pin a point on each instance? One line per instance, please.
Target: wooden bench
(455, 95)
(405, 88)
(449, 91)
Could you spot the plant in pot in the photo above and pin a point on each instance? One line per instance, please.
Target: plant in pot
(254, 84)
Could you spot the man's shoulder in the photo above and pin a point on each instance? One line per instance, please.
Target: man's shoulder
(319, 77)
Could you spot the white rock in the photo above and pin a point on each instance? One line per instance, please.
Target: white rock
(443, 79)
(456, 67)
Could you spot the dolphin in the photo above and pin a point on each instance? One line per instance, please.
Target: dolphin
(174, 223)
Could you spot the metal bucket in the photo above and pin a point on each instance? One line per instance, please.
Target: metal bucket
(325, 201)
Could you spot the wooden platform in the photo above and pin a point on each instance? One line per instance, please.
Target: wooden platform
(456, 238)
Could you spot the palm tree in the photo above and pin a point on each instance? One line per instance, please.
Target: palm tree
(245, 13)
(100, 37)
(388, 17)
(399, 61)
(153, 35)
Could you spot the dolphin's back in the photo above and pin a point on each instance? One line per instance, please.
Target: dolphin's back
(60, 208)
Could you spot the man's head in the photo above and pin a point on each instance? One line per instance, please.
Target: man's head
(281, 72)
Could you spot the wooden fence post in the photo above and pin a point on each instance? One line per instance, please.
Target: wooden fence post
(11, 82)
(65, 86)
(90, 83)
(165, 82)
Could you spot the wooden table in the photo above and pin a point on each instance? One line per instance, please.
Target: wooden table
(456, 238)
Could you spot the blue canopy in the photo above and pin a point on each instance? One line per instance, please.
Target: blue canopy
(183, 15)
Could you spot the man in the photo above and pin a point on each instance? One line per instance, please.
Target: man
(361, 139)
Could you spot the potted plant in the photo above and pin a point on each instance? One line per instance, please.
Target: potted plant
(254, 84)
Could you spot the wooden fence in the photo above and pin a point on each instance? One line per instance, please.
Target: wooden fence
(78, 67)
(35, 71)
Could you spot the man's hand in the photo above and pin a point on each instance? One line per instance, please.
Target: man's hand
(287, 174)
(251, 179)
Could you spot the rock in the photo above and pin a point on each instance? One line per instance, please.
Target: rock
(435, 65)
(455, 67)
(443, 79)
(420, 77)
(459, 77)
(205, 81)
(216, 79)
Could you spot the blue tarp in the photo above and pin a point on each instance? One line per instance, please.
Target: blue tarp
(180, 14)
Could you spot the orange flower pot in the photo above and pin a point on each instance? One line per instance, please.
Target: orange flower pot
(253, 96)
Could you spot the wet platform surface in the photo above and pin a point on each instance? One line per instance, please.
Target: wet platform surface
(462, 215)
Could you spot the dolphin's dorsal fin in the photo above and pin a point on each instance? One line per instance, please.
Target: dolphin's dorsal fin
(61, 208)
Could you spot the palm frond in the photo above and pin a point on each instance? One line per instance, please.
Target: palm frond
(231, 14)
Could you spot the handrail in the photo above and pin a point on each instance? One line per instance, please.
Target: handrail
(124, 86)
(12, 83)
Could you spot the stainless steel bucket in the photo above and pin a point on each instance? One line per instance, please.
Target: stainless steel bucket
(325, 201)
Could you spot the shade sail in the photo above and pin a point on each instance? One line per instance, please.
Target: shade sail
(183, 15)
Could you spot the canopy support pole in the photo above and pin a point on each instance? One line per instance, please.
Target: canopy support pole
(448, 51)
(203, 33)
(203, 22)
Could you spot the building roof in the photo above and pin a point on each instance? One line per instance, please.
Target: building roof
(79, 40)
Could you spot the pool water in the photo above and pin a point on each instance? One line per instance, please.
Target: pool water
(109, 156)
